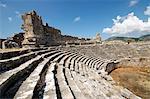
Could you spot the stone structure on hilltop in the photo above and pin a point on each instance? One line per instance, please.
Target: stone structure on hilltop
(98, 37)
(9, 43)
(1, 41)
(18, 38)
(12, 42)
(96, 40)
(37, 34)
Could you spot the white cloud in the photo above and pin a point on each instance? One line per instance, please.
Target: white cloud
(10, 19)
(147, 11)
(3, 5)
(128, 24)
(18, 14)
(76, 19)
(133, 3)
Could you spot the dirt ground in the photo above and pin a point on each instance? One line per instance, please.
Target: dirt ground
(136, 79)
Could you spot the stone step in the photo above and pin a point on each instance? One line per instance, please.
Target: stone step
(106, 88)
(76, 91)
(63, 60)
(101, 89)
(83, 59)
(98, 87)
(9, 64)
(34, 76)
(4, 76)
(11, 54)
(85, 69)
(8, 74)
(87, 82)
(81, 71)
(59, 59)
(77, 65)
(72, 61)
(88, 62)
(50, 87)
(79, 59)
(14, 62)
(7, 55)
(53, 74)
(95, 64)
(98, 64)
(10, 83)
(25, 92)
(75, 62)
(92, 64)
(63, 86)
(68, 62)
(85, 91)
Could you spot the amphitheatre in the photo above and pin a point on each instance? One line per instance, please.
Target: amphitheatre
(41, 63)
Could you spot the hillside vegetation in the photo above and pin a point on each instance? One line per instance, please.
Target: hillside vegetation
(142, 38)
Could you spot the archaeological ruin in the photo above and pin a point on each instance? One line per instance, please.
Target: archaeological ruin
(37, 34)
(45, 67)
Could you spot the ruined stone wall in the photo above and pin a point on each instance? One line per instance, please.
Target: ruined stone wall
(71, 40)
(18, 38)
(33, 28)
(0, 43)
(37, 34)
(52, 36)
(1, 40)
(12, 42)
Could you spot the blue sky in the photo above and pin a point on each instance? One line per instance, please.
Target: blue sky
(82, 18)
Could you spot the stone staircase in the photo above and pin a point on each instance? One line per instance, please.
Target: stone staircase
(113, 51)
(57, 74)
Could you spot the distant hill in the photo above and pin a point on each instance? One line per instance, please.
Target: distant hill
(145, 37)
(142, 38)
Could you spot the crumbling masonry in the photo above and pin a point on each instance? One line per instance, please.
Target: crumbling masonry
(37, 34)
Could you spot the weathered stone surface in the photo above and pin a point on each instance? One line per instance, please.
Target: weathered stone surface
(9, 44)
(69, 74)
(31, 81)
(50, 88)
(1, 40)
(18, 38)
(10, 54)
